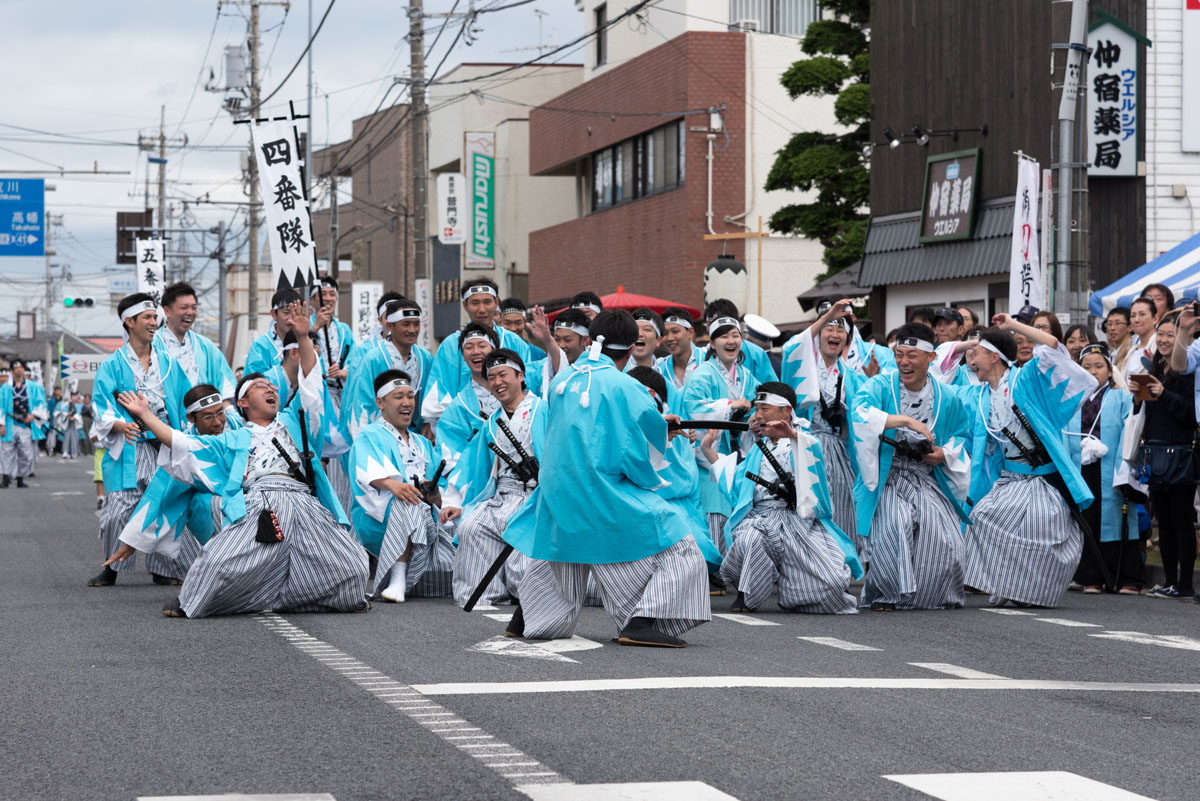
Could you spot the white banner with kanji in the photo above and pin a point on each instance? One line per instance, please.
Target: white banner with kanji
(151, 266)
(1025, 268)
(280, 158)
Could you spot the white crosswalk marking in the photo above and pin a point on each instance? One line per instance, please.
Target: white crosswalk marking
(633, 791)
(241, 797)
(1002, 611)
(745, 620)
(1164, 640)
(1027, 786)
(834, 642)
(955, 670)
(1062, 621)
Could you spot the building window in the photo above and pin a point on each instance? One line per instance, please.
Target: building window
(791, 17)
(638, 167)
(601, 34)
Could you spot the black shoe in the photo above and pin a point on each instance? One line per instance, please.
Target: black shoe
(5, 483)
(21, 483)
(105, 578)
(739, 604)
(716, 587)
(639, 631)
(516, 626)
(165, 581)
(881, 606)
(173, 609)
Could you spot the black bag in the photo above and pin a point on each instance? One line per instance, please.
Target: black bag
(268, 532)
(1167, 464)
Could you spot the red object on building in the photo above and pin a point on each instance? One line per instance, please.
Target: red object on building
(654, 242)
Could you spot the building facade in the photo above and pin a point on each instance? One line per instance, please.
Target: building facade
(670, 138)
(943, 65)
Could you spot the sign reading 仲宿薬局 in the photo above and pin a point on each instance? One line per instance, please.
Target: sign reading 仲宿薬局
(948, 209)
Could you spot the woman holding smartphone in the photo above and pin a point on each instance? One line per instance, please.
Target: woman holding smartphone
(1170, 422)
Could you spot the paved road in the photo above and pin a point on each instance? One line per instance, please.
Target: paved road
(106, 699)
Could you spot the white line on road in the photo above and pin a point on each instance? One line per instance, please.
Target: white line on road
(955, 670)
(1000, 611)
(499, 617)
(792, 682)
(1062, 621)
(66, 493)
(634, 791)
(834, 642)
(745, 620)
(1055, 785)
(1165, 640)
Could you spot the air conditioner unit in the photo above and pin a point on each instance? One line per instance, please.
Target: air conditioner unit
(745, 25)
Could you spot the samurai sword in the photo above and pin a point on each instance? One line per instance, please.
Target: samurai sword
(431, 485)
(724, 425)
(527, 469)
(329, 352)
(306, 454)
(487, 577)
(508, 460)
(511, 438)
(785, 478)
(776, 488)
(293, 468)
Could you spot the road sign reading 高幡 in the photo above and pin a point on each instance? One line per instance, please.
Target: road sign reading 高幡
(22, 217)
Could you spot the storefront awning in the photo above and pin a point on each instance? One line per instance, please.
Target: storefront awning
(893, 254)
(1178, 269)
(843, 284)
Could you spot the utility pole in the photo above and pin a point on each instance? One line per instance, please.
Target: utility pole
(333, 220)
(1068, 109)
(162, 167)
(255, 94)
(222, 307)
(420, 166)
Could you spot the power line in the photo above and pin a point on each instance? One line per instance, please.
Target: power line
(303, 53)
(203, 63)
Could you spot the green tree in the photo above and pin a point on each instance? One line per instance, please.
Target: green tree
(831, 163)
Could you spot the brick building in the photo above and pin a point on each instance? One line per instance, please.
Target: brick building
(635, 136)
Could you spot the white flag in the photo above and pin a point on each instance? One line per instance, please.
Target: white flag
(289, 222)
(1025, 275)
(151, 266)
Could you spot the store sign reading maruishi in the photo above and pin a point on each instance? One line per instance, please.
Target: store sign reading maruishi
(481, 180)
(951, 187)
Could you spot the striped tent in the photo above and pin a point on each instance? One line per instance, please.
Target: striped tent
(1178, 269)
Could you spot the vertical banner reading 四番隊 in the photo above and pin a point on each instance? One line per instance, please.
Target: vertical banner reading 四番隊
(280, 158)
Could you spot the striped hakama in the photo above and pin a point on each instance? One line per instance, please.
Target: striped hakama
(318, 567)
(671, 587)
(339, 482)
(407, 524)
(480, 541)
(438, 578)
(716, 530)
(19, 455)
(118, 508)
(774, 545)
(1022, 544)
(916, 545)
(840, 476)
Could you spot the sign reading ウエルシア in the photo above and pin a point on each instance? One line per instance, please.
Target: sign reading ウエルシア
(1113, 103)
(951, 184)
(481, 198)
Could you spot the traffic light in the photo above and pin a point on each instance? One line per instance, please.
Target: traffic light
(78, 303)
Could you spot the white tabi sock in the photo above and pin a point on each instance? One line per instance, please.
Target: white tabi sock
(397, 580)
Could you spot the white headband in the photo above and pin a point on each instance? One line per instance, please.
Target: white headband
(246, 386)
(400, 314)
(513, 310)
(290, 345)
(479, 289)
(467, 337)
(283, 304)
(138, 308)
(721, 321)
(913, 342)
(572, 327)
(771, 399)
(599, 343)
(204, 403)
(983, 343)
(487, 368)
(589, 306)
(683, 321)
(392, 386)
(653, 323)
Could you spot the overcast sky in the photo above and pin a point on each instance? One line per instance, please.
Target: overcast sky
(101, 71)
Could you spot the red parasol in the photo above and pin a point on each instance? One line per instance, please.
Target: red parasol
(630, 301)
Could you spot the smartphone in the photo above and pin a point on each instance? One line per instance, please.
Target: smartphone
(1141, 384)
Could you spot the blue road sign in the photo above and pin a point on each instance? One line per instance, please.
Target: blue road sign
(22, 217)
